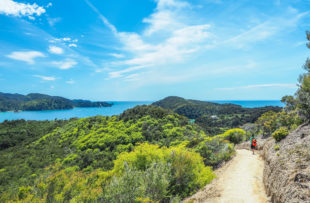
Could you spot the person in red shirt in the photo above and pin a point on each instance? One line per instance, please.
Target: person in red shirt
(253, 143)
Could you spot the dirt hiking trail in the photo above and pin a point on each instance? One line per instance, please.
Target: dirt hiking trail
(241, 180)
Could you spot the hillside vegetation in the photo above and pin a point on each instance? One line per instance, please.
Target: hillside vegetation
(39, 102)
(286, 149)
(214, 118)
(145, 154)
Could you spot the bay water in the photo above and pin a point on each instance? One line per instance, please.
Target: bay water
(117, 108)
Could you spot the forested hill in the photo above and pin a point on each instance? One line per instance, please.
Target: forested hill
(213, 117)
(146, 154)
(38, 102)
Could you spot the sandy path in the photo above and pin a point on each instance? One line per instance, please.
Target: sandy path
(237, 182)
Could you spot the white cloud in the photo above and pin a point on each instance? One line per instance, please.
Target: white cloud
(27, 56)
(66, 64)
(118, 74)
(72, 45)
(53, 21)
(175, 38)
(172, 36)
(117, 55)
(175, 48)
(49, 5)
(65, 41)
(265, 30)
(104, 20)
(55, 50)
(281, 85)
(10, 7)
(70, 81)
(47, 78)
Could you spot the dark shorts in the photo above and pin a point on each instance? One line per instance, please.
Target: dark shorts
(252, 147)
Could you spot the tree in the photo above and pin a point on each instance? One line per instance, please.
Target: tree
(303, 92)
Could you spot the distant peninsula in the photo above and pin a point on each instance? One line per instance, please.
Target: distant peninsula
(214, 118)
(40, 102)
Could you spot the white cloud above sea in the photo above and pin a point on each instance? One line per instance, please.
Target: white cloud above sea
(72, 45)
(46, 78)
(65, 64)
(26, 56)
(70, 81)
(55, 50)
(10, 7)
(276, 85)
(68, 41)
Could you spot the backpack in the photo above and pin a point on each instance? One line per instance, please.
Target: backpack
(254, 142)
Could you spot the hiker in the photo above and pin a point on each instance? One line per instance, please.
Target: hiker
(253, 143)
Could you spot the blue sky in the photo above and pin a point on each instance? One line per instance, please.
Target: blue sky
(150, 49)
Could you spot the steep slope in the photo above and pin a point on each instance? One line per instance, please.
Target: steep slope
(287, 168)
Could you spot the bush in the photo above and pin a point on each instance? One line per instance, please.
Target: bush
(188, 172)
(235, 135)
(215, 150)
(280, 134)
(277, 147)
(23, 192)
(151, 184)
(125, 188)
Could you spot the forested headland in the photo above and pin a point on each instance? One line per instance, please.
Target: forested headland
(214, 118)
(39, 102)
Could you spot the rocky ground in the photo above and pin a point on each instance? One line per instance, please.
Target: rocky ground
(287, 167)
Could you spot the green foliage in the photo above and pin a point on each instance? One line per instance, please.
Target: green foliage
(301, 102)
(21, 131)
(136, 176)
(235, 136)
(23, 192)
(277, 147)
(215, 150)
(134, 184)
(160, 153)
(188, 172)
(271, 121)
(280, 134)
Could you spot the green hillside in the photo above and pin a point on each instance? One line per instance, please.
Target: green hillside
(147, 153)
(214, 118)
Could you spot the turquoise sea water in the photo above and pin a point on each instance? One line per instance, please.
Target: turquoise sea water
(116, 109)
(253, 104)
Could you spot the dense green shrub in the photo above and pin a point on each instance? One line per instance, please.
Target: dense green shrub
(188, 171)
(235, 136)
(85, 159)
(215, 150)
(271, 121)
(280, 134)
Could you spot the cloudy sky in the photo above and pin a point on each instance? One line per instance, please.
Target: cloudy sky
(149, 49)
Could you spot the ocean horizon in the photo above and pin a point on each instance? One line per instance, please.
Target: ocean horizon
(117, 108)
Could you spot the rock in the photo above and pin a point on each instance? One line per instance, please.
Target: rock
(287, 167)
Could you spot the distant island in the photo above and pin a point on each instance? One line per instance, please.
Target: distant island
(40, 102)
